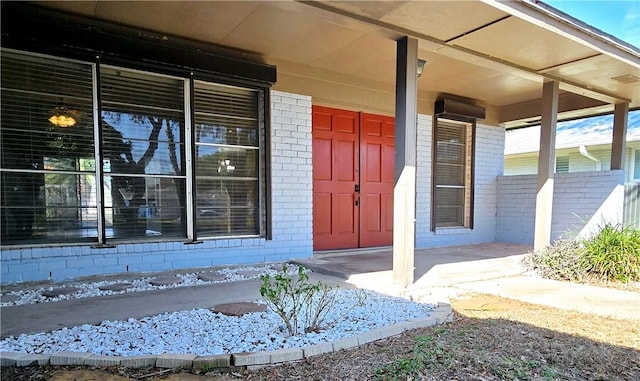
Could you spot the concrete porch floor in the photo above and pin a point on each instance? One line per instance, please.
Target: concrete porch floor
(433, 267)
(491, 268)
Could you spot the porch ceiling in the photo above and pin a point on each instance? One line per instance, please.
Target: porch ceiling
(497, 54)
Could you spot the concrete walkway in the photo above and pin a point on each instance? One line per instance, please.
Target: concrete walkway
(439, 274)
(492, 268)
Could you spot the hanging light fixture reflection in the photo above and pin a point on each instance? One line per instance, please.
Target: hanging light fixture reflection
(63, 117)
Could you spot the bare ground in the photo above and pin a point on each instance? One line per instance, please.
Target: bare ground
(491, 338)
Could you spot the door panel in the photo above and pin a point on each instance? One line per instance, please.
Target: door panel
(349, 149)
(336, 155)
(377, 140)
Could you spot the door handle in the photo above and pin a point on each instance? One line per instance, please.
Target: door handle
(357, 188)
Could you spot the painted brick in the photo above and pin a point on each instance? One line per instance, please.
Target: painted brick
(573, 207)
(78, 262)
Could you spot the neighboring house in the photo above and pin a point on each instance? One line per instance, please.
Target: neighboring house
(145, 136)
(581, 145)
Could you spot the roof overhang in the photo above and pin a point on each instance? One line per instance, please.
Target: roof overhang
(343, 52)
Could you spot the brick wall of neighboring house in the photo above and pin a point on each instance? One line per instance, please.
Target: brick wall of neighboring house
(489, 158)
(582, 202)
(292, 220)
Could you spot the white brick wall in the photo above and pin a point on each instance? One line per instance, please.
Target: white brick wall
(582, 202)
(489, 160)
(516, 208)
(292, 220)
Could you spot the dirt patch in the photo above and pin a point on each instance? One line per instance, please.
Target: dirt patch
(491, 338)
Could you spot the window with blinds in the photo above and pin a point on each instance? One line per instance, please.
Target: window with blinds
(452, 174)
(143, 154)
(155, 143)
(226, 160)
(48, 190)
(636, 165)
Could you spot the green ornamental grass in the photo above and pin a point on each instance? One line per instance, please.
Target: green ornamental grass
(613, 254)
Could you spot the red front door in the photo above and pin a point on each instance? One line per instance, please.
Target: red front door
(352, 179)
(377, 143)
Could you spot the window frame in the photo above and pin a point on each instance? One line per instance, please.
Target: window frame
(469, 187)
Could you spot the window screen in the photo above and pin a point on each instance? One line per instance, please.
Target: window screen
(47, 164)
(226, 160)
(636, 166)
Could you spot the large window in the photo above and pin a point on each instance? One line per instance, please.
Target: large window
(452, 201)
(157, 141)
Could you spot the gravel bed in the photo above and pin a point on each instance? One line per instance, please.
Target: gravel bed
(202, 332)
(92, 289)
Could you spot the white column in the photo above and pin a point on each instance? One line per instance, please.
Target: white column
(546, 165)
(619, 143)
(404, 193)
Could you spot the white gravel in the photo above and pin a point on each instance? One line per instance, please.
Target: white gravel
(92, 289)
(202, 332)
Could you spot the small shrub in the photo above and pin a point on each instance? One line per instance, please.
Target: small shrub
(613, 254)
(560, 261)
(303, 306)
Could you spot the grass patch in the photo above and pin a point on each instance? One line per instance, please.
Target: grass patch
(427, 353)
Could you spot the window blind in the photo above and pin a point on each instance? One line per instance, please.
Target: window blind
(227, 160)
(48, 180)
(143, 148)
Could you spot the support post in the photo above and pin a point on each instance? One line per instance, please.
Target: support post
(619, 142)
(546, 165)
(404, 192)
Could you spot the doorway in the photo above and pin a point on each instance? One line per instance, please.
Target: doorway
(353, 178)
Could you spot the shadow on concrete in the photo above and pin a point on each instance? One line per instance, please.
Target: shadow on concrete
(443, 266)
